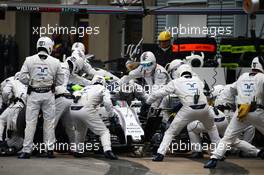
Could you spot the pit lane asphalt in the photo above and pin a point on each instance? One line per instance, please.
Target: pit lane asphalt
(97, 165)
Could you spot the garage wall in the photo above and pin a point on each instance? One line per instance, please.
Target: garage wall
(23, 35)
(8, 25)
(148, 25)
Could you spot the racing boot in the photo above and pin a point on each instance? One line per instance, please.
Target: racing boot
(261, 154)
(50, 154)
(24, 155)
(196, 155)
(110, 155)
(158, 157)
(211, 163)
(3, 144)
(78, 155)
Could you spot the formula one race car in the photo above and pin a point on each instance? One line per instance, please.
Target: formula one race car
(125, 130)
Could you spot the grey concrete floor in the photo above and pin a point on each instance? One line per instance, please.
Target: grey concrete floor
(97, 165)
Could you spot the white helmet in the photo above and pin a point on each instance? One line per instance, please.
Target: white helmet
(97, 79)
(195, 60)
(17, 75)
(76, 62)
(173, 66)
(258, 64)
(182, 69)
(78, 46)
(148, 61)
(78, 53)
(46, 43)
(217, 89)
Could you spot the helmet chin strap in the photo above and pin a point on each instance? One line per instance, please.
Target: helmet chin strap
(149, 73)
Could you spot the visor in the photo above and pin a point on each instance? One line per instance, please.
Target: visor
(146, 64)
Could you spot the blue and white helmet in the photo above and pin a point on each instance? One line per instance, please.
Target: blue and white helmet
(76, 62)
(148, 61)
(78, 46)
(97, 79)
(173, 66)
(46, 43)
(182, 69)
(17, 75)
(258, 64)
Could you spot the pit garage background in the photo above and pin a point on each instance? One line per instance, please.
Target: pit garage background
(120, 26)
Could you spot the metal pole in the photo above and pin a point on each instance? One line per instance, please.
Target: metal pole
(123, 41)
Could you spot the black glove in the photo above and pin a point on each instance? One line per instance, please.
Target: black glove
(221, 108)
(216, 111)
(177, 107)
(144, 109)
(231, 106)
(76, 99)
(53, 86)
(9, 133)
(3, 108)
(206, 89)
